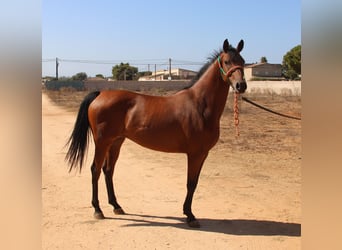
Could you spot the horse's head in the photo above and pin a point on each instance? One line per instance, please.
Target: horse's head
(231, 66)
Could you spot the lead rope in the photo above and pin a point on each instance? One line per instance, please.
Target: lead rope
(236, 114)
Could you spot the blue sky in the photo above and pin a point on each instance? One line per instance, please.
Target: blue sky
(151, 31)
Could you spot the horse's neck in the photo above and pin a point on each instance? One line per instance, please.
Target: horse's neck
(212, 90)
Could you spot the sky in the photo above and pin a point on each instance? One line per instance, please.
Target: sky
(93, 36)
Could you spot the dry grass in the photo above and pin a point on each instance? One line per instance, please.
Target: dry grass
(70, 99)
(67, 98)
(262, 131)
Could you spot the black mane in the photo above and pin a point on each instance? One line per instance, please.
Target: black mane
(204, 68)
(211, 59)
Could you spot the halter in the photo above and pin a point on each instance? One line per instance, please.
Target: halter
(225, 77)
(227, 74)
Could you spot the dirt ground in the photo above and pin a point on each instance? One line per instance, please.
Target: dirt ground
(248, 196)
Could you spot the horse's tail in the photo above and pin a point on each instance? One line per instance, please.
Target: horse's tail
(78, 140)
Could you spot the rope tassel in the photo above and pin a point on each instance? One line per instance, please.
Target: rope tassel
(236, 114)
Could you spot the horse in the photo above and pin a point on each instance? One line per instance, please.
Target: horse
(187, 121)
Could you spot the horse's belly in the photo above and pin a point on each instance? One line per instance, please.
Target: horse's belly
(174, 140)
(159, 145)
(168, 141)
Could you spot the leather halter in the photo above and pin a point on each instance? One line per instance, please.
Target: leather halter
(226, 75)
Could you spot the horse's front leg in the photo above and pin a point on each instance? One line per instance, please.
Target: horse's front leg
(195, 163)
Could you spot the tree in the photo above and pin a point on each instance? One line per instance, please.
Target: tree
(292, 63)
(79, 76)
(124, 71)
(99, 76)
(263, 59)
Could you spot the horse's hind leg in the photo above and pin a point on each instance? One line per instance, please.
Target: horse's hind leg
(108, 170)
(100, 153)
(95, 200)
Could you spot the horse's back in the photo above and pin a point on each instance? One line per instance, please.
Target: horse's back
(125, 111)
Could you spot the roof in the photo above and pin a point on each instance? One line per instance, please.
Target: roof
(255, 65)
(96, 79)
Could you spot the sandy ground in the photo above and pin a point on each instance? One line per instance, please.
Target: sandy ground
(248, 195)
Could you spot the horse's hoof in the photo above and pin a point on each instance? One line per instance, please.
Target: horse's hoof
(194, 224)
(99, 215)
(119, 211)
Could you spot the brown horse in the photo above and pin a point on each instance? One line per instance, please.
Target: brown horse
(186, 122)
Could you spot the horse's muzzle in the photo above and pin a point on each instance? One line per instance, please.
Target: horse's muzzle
(241, 87)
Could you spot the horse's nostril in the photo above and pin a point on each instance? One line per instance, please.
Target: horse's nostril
(241, 86)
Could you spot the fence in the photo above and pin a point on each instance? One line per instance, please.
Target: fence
(276, 87)
(128, 85)
(56, 85)
(136, 85)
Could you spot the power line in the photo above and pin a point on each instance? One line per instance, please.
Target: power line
(141, 62)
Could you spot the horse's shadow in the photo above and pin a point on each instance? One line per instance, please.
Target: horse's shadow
(232, 227)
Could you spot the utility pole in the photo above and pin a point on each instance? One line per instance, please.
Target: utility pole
(57, 64)
(169, 68)
(155, 72)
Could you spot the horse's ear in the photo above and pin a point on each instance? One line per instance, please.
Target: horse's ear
(225, 46)
(240, 46)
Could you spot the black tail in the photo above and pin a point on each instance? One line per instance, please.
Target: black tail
(78, 140)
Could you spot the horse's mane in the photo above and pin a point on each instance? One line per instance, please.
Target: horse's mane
(211, 59)
(214, 55)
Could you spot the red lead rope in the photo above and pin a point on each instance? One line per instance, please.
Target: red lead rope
(236, 114)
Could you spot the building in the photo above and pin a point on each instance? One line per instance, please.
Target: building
(96, 79)
(263, 71)
(179, 74)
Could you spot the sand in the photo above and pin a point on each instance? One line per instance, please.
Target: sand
(248, 196)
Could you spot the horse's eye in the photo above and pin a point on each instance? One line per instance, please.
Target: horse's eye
(226, 62)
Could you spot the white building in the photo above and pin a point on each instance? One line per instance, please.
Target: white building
(179, 74)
